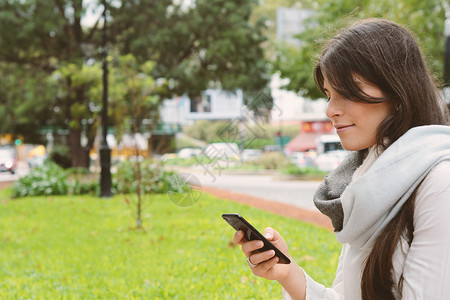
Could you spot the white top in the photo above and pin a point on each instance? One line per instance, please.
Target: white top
(425, 266)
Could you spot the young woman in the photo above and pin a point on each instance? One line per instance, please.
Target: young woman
(389, 201)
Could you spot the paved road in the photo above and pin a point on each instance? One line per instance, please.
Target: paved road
(270, 187)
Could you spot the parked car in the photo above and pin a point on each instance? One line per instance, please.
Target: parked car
(251, 154)
(189, 152)
(8, 161)
(303, 159)
(222, 151)
(272, 148)
(330, 160)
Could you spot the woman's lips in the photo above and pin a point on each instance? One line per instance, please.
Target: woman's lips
(342, 128)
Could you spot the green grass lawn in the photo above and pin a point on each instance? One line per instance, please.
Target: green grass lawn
(88, 248)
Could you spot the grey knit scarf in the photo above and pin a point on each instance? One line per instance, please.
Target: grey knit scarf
(328, 195)
(360, 209)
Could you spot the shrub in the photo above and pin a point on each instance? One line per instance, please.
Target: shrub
(82, 182)
(154, 179)
(271, 161)
(49, 179)
(292, 169)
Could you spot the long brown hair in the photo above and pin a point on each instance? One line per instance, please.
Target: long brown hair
(386, 55)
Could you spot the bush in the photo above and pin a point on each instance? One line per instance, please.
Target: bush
(181, 143)
(154, 179)
(271, 161)
(51, 179)
(292, 169)
(82, 182)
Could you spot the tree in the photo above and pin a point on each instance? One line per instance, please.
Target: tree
(136, 101)
(425, 18)
(24, 101)
(76, 105)
(46, 39)
(208, 44)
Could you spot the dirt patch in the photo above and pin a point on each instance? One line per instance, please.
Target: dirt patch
(282, 209)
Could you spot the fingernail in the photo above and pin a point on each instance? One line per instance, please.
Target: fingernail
(260, 244)
(267, 235)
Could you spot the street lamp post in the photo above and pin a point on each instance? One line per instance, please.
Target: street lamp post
(105, 151)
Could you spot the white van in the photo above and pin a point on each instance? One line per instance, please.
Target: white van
(330, 152)
(328, 142)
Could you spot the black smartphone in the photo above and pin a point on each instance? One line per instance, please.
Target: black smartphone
(250, 233)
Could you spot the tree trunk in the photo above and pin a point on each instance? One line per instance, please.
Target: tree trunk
(76, 151)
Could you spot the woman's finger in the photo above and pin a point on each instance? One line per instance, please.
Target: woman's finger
(260, 257)
(238, 237)
(251, 246)
(264, 267)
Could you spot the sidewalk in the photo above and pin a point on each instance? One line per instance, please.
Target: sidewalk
(282, 209)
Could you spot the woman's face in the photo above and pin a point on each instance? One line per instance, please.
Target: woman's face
(356, 123)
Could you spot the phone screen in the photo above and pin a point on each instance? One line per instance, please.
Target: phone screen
(250, 233)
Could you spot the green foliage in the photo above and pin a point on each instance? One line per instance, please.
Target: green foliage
(271, 161)
(154, 179)
(87, 248)
(25, 101)
(82, 182)
(292, 169)
(256, 136)
(50, 179)
(51, 66)
(61, 156)
(181, 143)
(134, 94)
(212, 41)
(208, 131)
(186, 162)
(425, 18)
(258, 143)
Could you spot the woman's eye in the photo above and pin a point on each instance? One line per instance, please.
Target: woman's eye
(328, 99)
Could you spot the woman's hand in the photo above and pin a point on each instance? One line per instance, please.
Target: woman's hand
(267, 263)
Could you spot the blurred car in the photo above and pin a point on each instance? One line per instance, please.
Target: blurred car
(189, 152)
(303, 159)
(272, 148)
(330, 160)
(251, 154)
(168, 156)
(222, 151)
(8, 161)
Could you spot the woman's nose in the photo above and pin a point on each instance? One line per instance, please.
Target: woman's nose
(334, 108)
